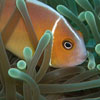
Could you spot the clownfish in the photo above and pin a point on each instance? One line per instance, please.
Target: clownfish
(68, 47)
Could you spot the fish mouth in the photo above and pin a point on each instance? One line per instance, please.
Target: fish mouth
(82, 59)
(85, 56)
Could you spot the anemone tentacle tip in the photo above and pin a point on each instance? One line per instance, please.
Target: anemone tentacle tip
(13, 72)
(98, 66)
(27, 52)
(97, 49)
(91, 66)
(21, 65)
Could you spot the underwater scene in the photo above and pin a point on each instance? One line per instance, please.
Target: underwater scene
(49, 49)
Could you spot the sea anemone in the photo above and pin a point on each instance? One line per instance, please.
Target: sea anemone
(30, 79)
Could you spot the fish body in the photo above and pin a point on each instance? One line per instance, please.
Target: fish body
(68, 46)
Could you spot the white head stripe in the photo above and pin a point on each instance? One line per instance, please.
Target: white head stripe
(70, 28)
(55, 25)
(59, 15)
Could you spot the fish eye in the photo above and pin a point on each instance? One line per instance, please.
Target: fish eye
(67, 45)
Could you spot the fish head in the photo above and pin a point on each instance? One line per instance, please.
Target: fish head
(68, 46)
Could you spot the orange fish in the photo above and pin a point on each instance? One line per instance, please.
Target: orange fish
(68, 46)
